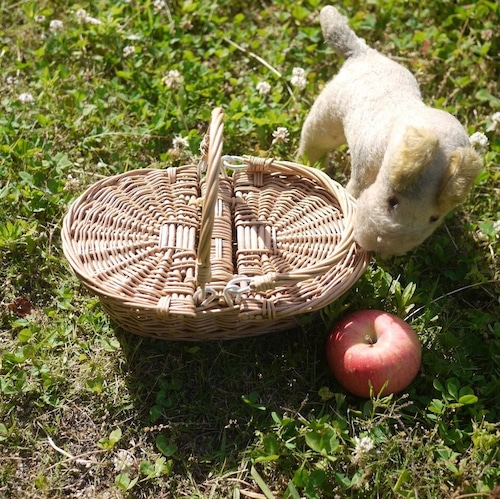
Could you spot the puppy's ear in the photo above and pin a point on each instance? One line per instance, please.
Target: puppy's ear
(464, 164)
(414, 155)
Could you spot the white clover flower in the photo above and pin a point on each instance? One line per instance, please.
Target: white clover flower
(123, 461)
(83, 17)
(362, 446)
(81, 14)
(479, 141)
(40, 18)
(495, 122)
(94, 21)
(159, 5)
(496, 228)
(56, 25)
(72, 183)
(26, 98)
(11, 81)
(298, 78)
(263, 87)
(128, 50)
(180, 143)
(281, 135)
(173, 79)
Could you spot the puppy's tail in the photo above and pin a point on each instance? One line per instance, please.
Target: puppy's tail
(338, 34)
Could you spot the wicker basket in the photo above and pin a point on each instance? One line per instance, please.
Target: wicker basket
(184, 254)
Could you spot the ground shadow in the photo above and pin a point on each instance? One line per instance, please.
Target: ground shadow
(209, 398)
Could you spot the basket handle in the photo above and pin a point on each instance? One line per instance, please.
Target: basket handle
(215, 166)
(213, 170)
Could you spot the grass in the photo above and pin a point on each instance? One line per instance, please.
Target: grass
(90, 411)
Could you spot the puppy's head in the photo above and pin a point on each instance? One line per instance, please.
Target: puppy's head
(411, 195)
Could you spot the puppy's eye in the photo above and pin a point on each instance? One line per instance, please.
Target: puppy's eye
(393, 203)
(434, 219)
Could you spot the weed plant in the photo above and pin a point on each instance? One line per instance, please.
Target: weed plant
(96, 88)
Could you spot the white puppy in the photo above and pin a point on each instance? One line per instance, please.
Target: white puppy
(410, 163)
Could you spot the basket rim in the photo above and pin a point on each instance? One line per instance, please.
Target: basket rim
(345, 200)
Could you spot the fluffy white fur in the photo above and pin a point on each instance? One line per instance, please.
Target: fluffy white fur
(410, 163)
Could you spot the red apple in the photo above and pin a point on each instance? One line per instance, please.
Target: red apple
(373, 348)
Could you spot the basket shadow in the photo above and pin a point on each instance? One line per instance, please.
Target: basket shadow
(209, 398)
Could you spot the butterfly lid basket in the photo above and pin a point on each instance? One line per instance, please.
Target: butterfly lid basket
(195, 253)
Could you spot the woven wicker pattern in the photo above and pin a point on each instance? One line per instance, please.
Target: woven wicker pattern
(182, 255)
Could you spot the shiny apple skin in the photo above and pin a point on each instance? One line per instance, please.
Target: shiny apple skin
(373, 347)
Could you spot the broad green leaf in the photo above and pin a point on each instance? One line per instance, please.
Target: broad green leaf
(109, 442)
(452, 387)
(342, 479)
(164, 447)
(95, 385)
(115, 435)
(323, 441)
(488, 228)
(438, 385)
(325, 393)
(317, 478)
(123, 482)
(162, 466)
(468, 399)
(300, 477)
(436, 406)
(271, 444)
(146, 468)
(4, 432)
(484, 95)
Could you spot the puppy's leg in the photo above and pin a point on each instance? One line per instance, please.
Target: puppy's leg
(322, 130)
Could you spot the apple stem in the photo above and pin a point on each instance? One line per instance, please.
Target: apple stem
(370, 339)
